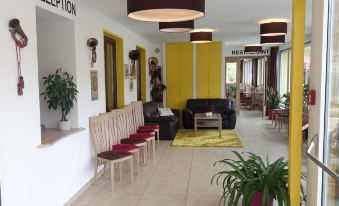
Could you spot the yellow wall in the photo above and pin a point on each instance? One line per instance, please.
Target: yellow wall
(143, 72)
(214, 69)
(179, 74)
(186, 74)
(208, 60)
(120, 67)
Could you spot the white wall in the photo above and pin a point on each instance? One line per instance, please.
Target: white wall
(50, 176)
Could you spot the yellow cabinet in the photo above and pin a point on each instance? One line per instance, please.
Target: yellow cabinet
(208, 60)
(179, 74)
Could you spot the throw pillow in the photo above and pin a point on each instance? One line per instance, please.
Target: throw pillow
(165, 112)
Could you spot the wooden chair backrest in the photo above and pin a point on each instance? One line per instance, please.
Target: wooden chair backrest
(130, 119)
(122, 123)
(101, 133)
(138, 113)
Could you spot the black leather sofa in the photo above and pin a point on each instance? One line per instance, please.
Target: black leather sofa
(222, 106)
(169, 125)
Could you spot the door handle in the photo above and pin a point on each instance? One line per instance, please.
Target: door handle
(315, 140)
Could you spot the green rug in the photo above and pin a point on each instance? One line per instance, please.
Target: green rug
(207, 138)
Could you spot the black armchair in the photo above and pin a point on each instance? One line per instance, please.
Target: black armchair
(169, 125)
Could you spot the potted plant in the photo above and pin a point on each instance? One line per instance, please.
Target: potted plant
(273, 101)
(61, 92)
(255, 181)
(232, 89)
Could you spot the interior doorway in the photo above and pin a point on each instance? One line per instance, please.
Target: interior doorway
(110, 74)
(141, 74)
(245, 82)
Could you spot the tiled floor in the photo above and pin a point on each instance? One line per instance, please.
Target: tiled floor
(181, 176)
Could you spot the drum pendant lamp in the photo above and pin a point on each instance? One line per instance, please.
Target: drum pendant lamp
(201, 37)
(272, 40)
(165, 10)
(273, 29)
(176, 27)
(253, 48)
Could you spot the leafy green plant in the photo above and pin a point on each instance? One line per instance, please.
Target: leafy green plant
(157, 92)
(246, 177)
(287, 100)
(60, 91)
(273, 99)
(233, 88)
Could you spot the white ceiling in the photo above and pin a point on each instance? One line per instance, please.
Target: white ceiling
(235, 21)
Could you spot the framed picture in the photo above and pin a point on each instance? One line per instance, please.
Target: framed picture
(94, 85)
(131, 85)
(126, 71)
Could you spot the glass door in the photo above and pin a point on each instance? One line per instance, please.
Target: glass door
(331, 148)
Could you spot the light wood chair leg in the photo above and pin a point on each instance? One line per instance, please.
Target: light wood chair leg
(145, 153)
(131, 169)
(158, 137)
(153, 147)
(138, 161)
(120, 171)
(112, 176)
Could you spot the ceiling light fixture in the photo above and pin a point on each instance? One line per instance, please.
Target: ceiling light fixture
(272, 40)
(165, 10)
(253, 48)
(176, 27)
(273, 29)
(201, 37)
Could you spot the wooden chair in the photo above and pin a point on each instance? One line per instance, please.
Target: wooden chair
(132, 128)
(122, 127)
(141, 126)
(115, 138)
(100, 133)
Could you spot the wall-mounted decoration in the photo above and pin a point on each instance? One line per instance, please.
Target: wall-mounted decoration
(126, 71)
(134, 56)
(93, 43)
(131, 84)
(158, 87)
(94, 85)
(21, 41)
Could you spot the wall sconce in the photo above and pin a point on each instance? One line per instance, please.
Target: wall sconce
(92, 43)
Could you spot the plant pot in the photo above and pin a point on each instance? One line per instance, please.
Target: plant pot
(64, 125)
(257, 200)
(269, 113)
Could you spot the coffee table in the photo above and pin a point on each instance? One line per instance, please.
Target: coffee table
(202, 120)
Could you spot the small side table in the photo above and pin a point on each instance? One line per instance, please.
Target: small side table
(214, 120)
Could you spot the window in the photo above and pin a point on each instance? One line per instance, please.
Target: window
(261, 68)
(231, 73)
(285, 64)
(247, 73)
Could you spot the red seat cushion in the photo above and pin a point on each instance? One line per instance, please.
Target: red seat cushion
(132, 141)
(142, 136)
(146, 131)
(124, 147)
(152, 125)
(148, 127)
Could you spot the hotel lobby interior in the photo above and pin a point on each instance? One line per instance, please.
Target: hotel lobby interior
(169, 102)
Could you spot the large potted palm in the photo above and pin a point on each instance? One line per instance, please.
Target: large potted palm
(61, 92)
(253, 181)
(273, 101)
